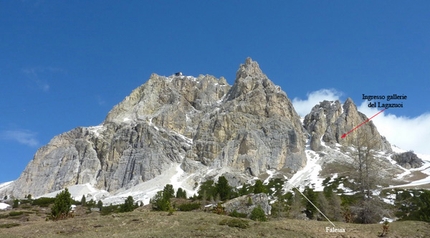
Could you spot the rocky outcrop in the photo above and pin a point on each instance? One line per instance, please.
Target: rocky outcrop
(245, 204)
(320, 120)
(255, 128)
(328, 121)
(408, 160)
(197, 122)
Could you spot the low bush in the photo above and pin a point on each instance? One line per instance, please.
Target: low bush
(109, 209)
(258, 214)
(189, 207)
(8, 225)
(234, 222)
(238, 214)
(43, 201)
(13, 213)
(25, 201)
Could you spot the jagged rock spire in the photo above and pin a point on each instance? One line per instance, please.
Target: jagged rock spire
(249, 69)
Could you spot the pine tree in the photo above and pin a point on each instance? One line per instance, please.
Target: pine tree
(100, 204)
(223, 189)
(168, 191)
(128, 205)
(209, 187)
(83, 200)
(257, 214)
(181, 193)
(62, 205)
(259, 187)
(245, 189)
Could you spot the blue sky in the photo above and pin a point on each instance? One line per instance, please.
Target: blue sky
(65, 64)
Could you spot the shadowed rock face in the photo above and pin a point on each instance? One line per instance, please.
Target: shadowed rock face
(328, 121)
(248, 127)
(408, 160)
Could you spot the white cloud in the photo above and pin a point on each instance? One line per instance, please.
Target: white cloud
(21, 136)
(35, 74)
(303, 107)
(404, 132)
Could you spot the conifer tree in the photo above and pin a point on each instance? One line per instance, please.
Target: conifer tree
(259, 187)
(223, 189)
(83, 200)
(62, 205)
(257, 214)
(128, 205)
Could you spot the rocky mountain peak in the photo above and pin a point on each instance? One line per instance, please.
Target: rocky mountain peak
(348, 106)
(249, 69)
(327, 122)
(191, 124)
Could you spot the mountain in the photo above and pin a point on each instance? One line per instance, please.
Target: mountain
(328, 121)
(200, 123)
(184, 129)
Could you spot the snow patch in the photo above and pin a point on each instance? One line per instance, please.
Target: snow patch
(309, 174)
(96, 130)
(77, 191)
(4, 206)
(143, 192)
(5, 185)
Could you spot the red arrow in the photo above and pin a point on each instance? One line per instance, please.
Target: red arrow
(364, 122)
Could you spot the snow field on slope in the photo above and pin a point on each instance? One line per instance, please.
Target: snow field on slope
(4, 206)
(77, 191)
(145, 191)
(309, 174)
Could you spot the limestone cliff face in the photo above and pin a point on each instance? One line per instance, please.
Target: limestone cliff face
(248, 127)
(328, 121)
(255, 128)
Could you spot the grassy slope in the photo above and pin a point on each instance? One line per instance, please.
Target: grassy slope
(144, 223)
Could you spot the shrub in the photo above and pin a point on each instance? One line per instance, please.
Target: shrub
(15, 203)
(13, 213)
(258, 214)
(43, 201)
(189, 206)
(243, 224)
(385, 227)
(25, 201)
(249, 203)
(238, 214)
(219, 209)
(62, 205)
(171, 210)
(109, 209)
(8, 225)
(259, 187)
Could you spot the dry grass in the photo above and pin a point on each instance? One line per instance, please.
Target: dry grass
(415, 175)
(145, 223)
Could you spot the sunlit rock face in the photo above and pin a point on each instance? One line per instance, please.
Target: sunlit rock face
(198, 122)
